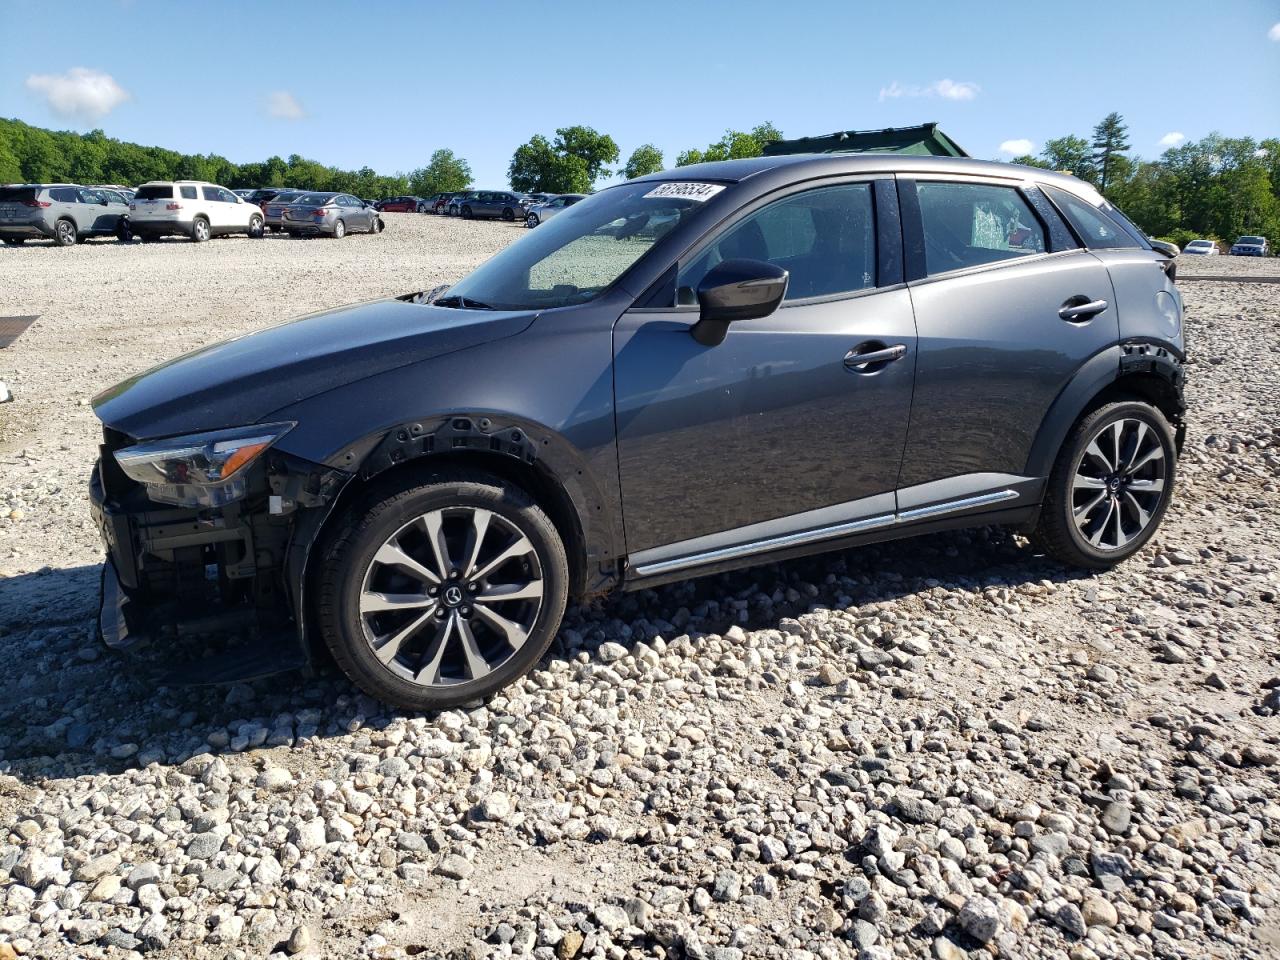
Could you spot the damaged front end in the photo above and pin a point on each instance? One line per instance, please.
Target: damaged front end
(208, 536)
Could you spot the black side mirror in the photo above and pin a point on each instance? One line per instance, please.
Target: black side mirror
(736, 290)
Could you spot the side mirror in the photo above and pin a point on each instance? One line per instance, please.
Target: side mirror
(736, 290)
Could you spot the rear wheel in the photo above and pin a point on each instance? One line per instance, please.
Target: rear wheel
(65, 233)
(339, 230)
(508, 214)
(441, 590)
(200, 231)
(1110, 486)
(466, 213)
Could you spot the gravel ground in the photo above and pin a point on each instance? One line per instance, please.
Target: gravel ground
(946, 747)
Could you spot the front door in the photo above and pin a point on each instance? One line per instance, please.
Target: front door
(1006, 317)
(779, 430)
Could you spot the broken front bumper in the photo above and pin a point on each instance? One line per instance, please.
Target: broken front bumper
(235, 572)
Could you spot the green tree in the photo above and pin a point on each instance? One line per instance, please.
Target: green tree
(1110, 141)
(569, 165)
(444, 173)
(1069, 154)
(644, 159)
(593, 148)
(734, 145)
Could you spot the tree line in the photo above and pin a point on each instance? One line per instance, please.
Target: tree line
(33, 155)
(1217, 187)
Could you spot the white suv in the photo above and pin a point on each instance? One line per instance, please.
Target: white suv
(191, 208)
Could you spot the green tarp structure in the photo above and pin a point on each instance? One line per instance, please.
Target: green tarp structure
(925, 140)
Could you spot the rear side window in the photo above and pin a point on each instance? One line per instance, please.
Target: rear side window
(1098, 230)
(971, 224)
(17, 194)
(161, 192)
(188, 193)
(65, 194)
(824, 238)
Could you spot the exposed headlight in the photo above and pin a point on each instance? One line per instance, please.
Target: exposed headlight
(200, 470)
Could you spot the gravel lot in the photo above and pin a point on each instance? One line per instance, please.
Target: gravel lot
(947, 747)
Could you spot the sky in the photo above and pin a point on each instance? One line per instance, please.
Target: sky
(384, 84)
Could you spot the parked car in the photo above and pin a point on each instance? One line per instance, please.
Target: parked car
(404, 205)
(125, 193)
(191, 208)
(491, 204)
(874, 347)
(550, 207)
(61, 212)
(1201, 248)
(1251, 247)
(243, 192)
(263, 195)
(273, 209)
(454, 207)
(333, 214)
(441, 203)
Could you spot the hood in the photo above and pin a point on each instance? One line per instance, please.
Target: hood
(241, 381)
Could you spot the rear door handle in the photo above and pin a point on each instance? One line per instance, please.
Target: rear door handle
(1080, 308)
(859, 359)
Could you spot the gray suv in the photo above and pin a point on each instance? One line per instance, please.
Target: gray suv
(721, 365)
(61, 212)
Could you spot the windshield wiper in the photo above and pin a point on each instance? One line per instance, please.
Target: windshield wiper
(457, 300)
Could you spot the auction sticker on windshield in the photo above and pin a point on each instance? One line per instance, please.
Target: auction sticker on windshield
(687, 191)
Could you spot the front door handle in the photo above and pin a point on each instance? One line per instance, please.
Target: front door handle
(860, 359)
(1080, 308)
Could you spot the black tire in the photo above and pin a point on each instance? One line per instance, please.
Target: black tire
(65, 233)
(422, 208)
(1058, 531)
(376, 225)
(15, 241)
(124, 230)
(508, 214)
(200, 230)
(532, 221)
(255, 227)
(339, 230)
(347, 555)
(466, 213)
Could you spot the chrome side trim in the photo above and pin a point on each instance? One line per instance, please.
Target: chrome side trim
(821, 533)
(919, 513)
(763, 546)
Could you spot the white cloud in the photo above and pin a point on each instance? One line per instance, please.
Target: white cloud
(1016, 148)
(80, 93)
(1172, 139)
(1274, 32)
(283, 105)
(946, 88)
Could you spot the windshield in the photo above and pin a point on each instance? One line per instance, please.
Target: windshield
(577, 255)
(1257, 240)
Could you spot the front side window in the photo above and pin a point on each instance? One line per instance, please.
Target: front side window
(92, 196)
(972, 224)
(824, 238)
(1097, 229)
(575, 257)
(210, 193)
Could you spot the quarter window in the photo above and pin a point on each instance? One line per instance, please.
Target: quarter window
(1099, 231)
(64, 194)
(824, 238)
(971, 224)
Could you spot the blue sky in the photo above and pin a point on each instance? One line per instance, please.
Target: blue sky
(385, 83)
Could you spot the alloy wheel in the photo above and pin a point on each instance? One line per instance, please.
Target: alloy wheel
(66, 232)
(1119, 484)
(451, 596)
(531, 221)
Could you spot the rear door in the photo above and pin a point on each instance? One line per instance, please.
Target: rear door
(1008, 308)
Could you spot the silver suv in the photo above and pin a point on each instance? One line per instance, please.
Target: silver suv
(61, 212)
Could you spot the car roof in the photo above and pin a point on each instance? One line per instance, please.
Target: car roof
(830, 164)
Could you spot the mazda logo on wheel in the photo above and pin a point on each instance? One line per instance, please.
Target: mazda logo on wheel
(453, 595)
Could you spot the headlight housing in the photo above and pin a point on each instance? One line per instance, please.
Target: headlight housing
(202, 469)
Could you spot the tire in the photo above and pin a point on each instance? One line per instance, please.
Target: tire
(361, 557)
(14, 241)
(65, 233)
(508, 214)
(200, 231)
(255, 227)
(1096, 500)
(339, 230)
(422, 208)
(124, 230)
(531, 221)
(376, 225)
(466, 213)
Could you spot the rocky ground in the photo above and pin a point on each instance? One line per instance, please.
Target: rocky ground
(945, 747)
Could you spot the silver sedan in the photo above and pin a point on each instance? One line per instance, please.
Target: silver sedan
(548, 209)
(333, 214)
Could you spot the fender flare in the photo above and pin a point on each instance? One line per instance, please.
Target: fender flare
(1093, 376)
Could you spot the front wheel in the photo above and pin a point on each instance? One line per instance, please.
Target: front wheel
(1110, 486)
(124, 230)
(531, 221)
(441, 590)
(376, 225)
(255, 227)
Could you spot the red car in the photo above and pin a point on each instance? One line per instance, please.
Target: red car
(404, 205)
